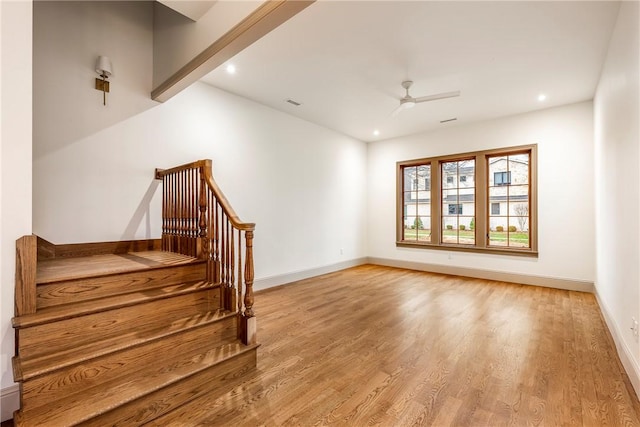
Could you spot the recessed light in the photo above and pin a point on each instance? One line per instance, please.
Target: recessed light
(542, 97)
(231, 69)
(376, 132)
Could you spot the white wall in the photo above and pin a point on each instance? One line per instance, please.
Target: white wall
(617, 148)
(303, 185)
(15, 171)
(565, 198)
(68, 37)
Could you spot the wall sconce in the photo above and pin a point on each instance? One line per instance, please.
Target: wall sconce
(103, 68)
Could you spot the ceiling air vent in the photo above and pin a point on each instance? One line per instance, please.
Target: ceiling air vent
(292, 102)
(449, 120)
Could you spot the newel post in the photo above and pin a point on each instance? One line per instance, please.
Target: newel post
(25, 279)
(248, 317)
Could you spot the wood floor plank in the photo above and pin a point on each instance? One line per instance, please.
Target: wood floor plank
(381, 346)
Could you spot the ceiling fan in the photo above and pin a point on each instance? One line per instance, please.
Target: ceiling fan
(409, 101)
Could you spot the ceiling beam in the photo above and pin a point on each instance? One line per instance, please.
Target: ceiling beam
(260, 22)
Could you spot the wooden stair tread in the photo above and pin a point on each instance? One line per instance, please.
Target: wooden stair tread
(39, 365)
(60, 269)
(73, 409)
(66, 311)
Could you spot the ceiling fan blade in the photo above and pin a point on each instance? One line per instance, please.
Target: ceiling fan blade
(397, 110)
(405, 104)
(437, 96)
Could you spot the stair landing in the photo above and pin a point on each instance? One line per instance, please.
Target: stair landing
(58, 269)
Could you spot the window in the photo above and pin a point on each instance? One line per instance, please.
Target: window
(455, 209)
(502, 178)
(482, 201)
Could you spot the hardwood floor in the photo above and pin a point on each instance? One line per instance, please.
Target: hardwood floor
(381, 346)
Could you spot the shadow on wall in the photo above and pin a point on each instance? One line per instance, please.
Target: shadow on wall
(142, 213)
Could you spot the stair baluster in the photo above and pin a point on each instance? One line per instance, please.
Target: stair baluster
(216, 226)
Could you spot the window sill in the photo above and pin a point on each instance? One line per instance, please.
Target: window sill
(468, 248)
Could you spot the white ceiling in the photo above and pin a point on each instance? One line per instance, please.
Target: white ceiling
(345, 60)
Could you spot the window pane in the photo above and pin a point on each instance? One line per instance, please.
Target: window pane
(518, 237)
(466, 195)
(410, 197)
(450, 229)
(497, 194)
(410, 232)
(519, 167)
(424, 232)
(416, 203)
(466, 235)
(450, 175)
(498, 231)
(520, 209)
(449, 196)
(409, 177)
(458, 202)
(518, 193)
(509, 200)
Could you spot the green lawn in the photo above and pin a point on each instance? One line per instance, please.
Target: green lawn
(516, 238)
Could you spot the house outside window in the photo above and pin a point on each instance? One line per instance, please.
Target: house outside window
(486, 201)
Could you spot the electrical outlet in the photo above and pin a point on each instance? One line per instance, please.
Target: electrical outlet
(341, 251)
(634, 327)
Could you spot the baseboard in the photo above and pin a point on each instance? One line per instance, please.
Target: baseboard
(9, 401)
(523, 279)
(624, 352)
(282, 279)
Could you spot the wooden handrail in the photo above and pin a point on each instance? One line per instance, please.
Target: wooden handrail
(197, 220)
(206, 167)
(161, 173)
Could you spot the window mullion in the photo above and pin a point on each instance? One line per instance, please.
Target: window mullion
(436, 202)
(482, 197)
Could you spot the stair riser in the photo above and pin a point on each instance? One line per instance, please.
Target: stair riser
(62, 334)
(161, 402)
(70, 291)
(87, 378)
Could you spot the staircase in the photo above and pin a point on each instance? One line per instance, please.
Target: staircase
(123, 333)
